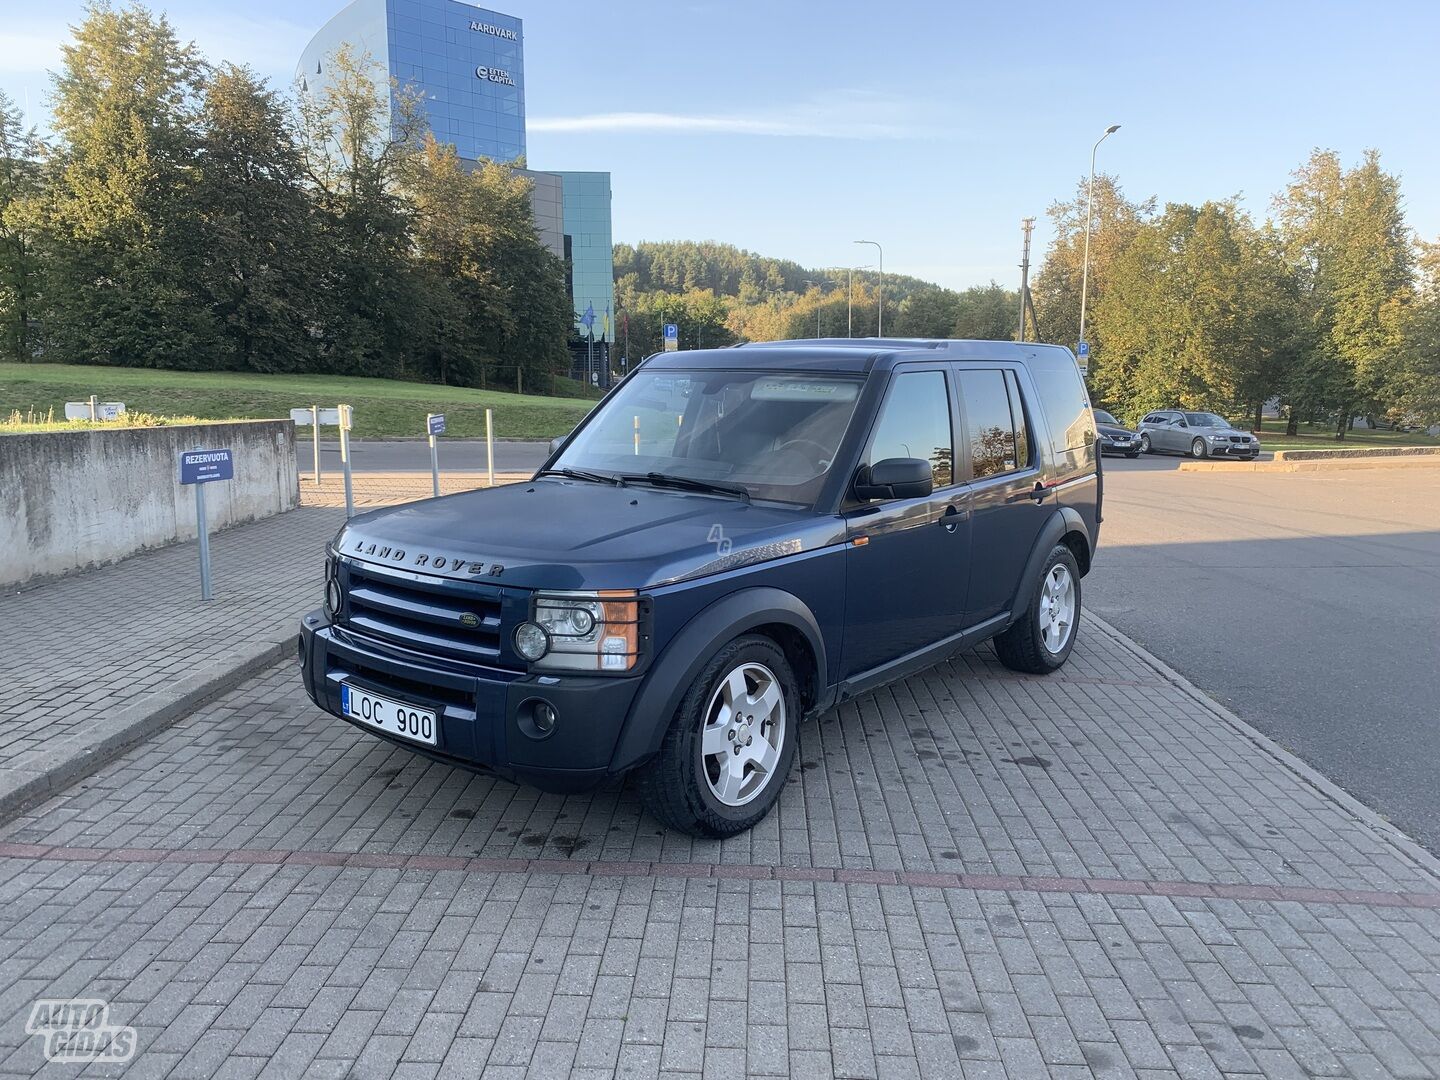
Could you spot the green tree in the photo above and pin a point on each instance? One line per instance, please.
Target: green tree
(19, 184)
(1197, 313)
(118, 214)
(928, 313)
(357, 135)
(988, 313)
(1057, 285)
(255, 237)
(1416, 365)
(1344, 234)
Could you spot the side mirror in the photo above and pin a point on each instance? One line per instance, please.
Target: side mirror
(895, 478)
(1181, 423)
(556, 443)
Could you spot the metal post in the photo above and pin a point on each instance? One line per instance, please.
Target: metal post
(345, 459)
(1089, 205)
(94, 408)
(315, 437)
(202, 529)
(489, 448)
(1027, 225)
(434, 459)
(850, 305)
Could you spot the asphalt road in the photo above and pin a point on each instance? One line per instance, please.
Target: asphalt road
(406, 455)
(1306, 602)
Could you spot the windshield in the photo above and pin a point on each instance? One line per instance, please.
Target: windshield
(774, 435)
(1204, 419)
(1103, 417)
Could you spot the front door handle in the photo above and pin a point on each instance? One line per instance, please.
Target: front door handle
(951, 518)
(1039, 491)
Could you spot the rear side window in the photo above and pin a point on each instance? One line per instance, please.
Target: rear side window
(995, 445)
(1063, 397)
(915, 423)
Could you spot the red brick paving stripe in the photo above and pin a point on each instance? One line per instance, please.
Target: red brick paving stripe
(1008, 883)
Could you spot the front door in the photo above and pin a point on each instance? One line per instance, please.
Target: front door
(1010, 506)
(907, 560)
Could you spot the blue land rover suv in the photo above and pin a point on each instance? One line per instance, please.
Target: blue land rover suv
(734, 540)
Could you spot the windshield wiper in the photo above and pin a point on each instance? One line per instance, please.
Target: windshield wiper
(689, 483)
(583, 474)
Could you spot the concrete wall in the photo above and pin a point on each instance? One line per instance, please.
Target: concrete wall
(73, 499)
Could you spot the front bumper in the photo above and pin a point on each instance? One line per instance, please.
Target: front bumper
(1234, 449)
(477, 709)
(1114, 447)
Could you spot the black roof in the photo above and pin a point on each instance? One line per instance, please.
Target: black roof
(857, 355)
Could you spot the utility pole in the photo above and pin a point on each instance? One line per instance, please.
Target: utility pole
(1028, 226)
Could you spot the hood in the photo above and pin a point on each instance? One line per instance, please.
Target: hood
(571, 534)
(1112, 429)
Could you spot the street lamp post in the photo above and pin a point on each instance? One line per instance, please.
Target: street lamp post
(880, 318)
(1089, 204)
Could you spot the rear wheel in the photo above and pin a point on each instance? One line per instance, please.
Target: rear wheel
(1041, 639)
(1198, 449)
(730, 745)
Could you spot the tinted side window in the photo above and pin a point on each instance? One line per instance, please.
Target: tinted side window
(1064, 398)
(989, 424)
(915, 423)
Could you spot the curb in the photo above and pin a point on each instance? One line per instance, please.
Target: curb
(73, 759)
(1387, 829)
(1313, 464)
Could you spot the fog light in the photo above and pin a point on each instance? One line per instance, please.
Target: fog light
(544, 717)
(531, 641)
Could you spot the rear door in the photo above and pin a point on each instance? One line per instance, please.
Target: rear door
(907, 560)
(1009, 505)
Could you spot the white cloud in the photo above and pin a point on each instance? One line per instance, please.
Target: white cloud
(846, 115)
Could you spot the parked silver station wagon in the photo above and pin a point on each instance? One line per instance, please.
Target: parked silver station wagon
(1199, 434)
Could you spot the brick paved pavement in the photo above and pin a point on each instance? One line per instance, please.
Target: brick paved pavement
(373, 489)
(80, 649)
(972, 873)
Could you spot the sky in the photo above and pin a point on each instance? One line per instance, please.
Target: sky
(794, 128)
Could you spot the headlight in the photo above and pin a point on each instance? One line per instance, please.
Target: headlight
(334, 595)
(1220, 438)
(590, 631)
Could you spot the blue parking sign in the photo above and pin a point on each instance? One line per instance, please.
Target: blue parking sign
(671, 331)
(1084, 350)
(203, 466)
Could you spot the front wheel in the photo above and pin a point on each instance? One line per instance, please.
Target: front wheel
(1197, 449)
(1145, 444)
(1040, 640)
(1134, 455)
(731, 743)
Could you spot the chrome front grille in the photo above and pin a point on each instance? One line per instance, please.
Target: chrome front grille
(459, 619)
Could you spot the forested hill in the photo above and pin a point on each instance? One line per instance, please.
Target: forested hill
(678, 266)
(718, 294)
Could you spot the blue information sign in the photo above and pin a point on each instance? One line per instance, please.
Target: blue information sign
(671, 331)
(436, 422)
(203, 466)
(1084, 349)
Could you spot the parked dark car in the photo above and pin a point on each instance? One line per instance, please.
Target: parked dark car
(1199, 434)
(1115, 437)
(732, 541)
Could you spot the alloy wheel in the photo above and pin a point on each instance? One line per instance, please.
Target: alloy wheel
(744, 734)
(1057, 608)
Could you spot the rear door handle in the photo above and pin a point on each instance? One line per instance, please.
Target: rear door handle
(1039, 491)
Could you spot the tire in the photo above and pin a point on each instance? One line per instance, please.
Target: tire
(1198, 449)
(1133, 456)
(1145, 447)
(1027, 645)
(704, 795)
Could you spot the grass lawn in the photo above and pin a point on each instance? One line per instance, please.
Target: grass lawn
(383, 407)
(1322, 437)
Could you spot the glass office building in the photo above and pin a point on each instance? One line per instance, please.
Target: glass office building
(468, 64)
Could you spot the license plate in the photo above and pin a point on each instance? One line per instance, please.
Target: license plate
(391, 717)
